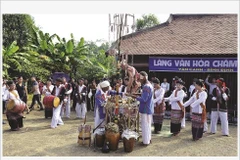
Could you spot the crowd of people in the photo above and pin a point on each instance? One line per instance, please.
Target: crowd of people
(154, 97)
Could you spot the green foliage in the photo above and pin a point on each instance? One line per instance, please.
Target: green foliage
(147, 21)
(43, 54)
(17, 27)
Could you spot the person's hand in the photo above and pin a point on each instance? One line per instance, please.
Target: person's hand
(134, 96)
(214, 98)
(65, 101)
(208, 75)
(224, 95)
(127, 94)
(166, 99)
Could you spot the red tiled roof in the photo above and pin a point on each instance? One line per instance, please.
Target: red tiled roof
(184, 35)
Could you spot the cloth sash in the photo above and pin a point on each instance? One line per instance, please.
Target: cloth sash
(179, 103)
(204, 114)
(159, 107)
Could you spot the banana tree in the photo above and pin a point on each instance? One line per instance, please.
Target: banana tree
(76, 54)
(12, 59)
(51, 53)
(106, 65)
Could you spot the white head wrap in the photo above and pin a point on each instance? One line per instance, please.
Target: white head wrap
(104, 84)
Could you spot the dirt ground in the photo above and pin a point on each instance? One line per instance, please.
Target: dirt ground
(36, 138)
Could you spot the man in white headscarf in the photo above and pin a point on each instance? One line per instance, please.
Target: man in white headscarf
(100, 101)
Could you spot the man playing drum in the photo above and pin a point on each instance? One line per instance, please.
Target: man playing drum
(47, 90)
(59, 91)
(15, 119)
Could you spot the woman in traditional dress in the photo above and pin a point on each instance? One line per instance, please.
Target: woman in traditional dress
(22, 91)
(177, 109)
(197, 103)
(159, 106)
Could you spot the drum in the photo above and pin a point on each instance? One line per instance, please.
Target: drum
(100, 136)
(128, 144)
(84, 137)
(51, 101)
(129, 138)
(113, 139)
(16, 106)
(48, 112)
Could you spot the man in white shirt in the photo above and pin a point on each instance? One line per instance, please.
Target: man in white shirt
(67, 110)
(59, 91)
(211, 86)
(15, 118)
(192, 87)
(81, 92)
(166, 86)
(47, 89)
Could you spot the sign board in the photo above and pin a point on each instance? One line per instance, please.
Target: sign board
(196, 64)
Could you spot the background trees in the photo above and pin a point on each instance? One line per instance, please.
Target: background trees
(17, 27)
(147, 21)
(28, 51)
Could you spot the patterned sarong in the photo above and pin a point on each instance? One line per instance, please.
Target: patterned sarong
(176, 116)
(197, 120)
(197, 126)
(158, 118)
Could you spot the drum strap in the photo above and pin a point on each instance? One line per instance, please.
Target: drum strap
(14, 94)
(98, 126)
